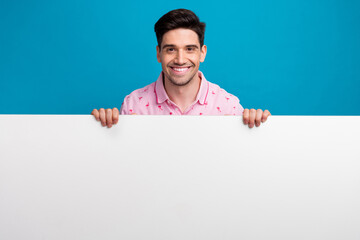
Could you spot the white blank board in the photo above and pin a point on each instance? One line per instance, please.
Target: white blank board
(161, 177)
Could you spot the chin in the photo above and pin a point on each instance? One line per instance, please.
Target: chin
(180, 83)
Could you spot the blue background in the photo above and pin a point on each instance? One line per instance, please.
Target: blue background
(299, 57)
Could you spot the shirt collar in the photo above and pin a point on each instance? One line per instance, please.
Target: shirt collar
(161, 95)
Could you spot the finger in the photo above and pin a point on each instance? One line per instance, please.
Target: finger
(252, 118)
(246, 115)
(266, 114)
(258, 117)
(95, 112)
(102, 117)
(115, 115)
(109, 117)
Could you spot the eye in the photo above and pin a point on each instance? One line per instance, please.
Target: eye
(170, 49)
(191, 49)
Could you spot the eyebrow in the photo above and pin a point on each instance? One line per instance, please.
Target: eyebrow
(172, 45)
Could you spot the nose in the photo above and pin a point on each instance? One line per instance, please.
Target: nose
(180, 58)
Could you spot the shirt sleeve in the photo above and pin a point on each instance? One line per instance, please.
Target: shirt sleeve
(237, 109)
(128, 106)
(124, 107)
(240, 110)
(233, 106)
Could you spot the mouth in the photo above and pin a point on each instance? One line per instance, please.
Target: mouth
(180, 70)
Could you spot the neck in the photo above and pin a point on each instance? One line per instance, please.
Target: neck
(183, 96)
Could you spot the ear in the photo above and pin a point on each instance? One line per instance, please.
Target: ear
(203, 53)
(158, 54)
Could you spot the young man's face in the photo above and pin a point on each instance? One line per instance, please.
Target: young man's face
(180, 55)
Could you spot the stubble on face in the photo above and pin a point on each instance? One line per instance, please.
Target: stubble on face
(176, 82)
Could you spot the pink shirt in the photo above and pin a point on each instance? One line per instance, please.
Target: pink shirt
(153, 100)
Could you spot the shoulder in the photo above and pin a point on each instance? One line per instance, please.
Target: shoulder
(221, 99)
(145, 91)
(221, 94)
(141, 93)
(133, 102)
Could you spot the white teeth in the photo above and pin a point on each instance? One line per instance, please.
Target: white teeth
(180, 69)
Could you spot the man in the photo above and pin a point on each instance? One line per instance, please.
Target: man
(181, 88)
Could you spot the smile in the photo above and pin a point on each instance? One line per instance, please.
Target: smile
(180, 70)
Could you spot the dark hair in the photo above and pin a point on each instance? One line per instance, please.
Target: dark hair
(179, 18)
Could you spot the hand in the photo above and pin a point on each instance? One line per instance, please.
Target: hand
(255, 116)
(107, 117)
